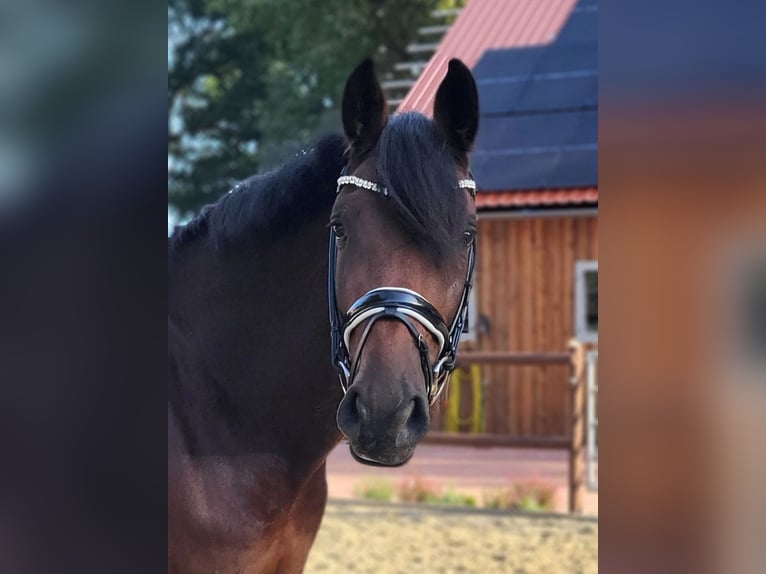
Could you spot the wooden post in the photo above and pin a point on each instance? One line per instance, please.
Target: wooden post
(576, 457)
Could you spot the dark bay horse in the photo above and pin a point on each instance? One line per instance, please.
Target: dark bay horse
(254, 404)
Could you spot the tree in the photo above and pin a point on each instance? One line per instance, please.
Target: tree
(251, 82)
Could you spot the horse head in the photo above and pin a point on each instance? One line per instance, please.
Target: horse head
(401, 260)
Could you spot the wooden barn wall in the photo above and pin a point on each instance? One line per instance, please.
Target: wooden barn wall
(525, 288)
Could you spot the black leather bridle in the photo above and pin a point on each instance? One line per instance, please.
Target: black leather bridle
(401, 304)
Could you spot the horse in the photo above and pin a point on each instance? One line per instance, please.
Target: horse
(256, 302)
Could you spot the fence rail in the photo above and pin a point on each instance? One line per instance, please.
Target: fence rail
(507, 358)
(575, 443)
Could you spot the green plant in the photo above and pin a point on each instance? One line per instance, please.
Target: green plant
(529, 496)
(375, 489)
(418, 489)
(454, 498)
(422, 490)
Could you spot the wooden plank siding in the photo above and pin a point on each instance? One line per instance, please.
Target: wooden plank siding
(525, 279)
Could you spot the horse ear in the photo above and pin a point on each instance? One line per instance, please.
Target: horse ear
(364, 109)
(456, 108)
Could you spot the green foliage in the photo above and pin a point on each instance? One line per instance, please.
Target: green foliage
(375, 489)
(455, 498)
(418, 489)
(527, 496)
(421, 490)
(251, 82)
(531, 496)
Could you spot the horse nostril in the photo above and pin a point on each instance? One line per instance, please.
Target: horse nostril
(417, 423)
(349, 413)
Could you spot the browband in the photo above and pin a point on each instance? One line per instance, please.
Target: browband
(354, 180)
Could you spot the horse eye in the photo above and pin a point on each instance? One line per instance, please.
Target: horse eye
(469, 237)
(338, 230)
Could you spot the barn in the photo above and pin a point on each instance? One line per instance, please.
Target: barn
(535, 161)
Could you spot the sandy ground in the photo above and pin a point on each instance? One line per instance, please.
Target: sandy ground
(380, 538)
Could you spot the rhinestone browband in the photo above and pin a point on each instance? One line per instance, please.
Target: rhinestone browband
(468, 184)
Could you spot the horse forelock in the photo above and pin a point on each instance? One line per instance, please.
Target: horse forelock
(420, 174)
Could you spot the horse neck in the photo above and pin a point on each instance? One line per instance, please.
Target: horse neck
(251, 338)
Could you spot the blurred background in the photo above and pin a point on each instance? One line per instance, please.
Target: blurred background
(669, 224)
(628, 136)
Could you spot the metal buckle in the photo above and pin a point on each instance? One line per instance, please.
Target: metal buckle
(344, 375)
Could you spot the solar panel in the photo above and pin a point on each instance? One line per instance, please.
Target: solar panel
(536, 130)
(554, 169)
(496, 66)
(575, 169)
(565, 58)
(587, 128)
(508, 62)
(539, 125)
(554, 94)
(513, 172)
(561, 92)
(586, 5)
(580, 28)
(497, 99)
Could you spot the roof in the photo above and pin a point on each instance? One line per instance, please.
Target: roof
(535, 64)
(537, 198)
(485, 25)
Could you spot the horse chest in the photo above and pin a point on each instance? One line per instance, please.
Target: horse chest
(241, 517)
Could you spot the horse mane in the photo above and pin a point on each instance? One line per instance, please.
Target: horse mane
(413, 162)
(268, 206)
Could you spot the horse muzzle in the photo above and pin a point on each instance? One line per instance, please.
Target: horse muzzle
(383, 428)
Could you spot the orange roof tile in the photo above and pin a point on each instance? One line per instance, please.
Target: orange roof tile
(536, 198)
(485, 25)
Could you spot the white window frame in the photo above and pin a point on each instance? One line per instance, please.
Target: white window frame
(473, 314)
(581, 331)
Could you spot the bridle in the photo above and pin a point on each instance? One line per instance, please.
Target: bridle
(405, 305)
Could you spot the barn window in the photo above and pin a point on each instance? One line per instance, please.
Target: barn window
(586, 301)
(469, 331)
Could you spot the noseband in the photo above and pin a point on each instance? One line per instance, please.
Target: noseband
(404, 305)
